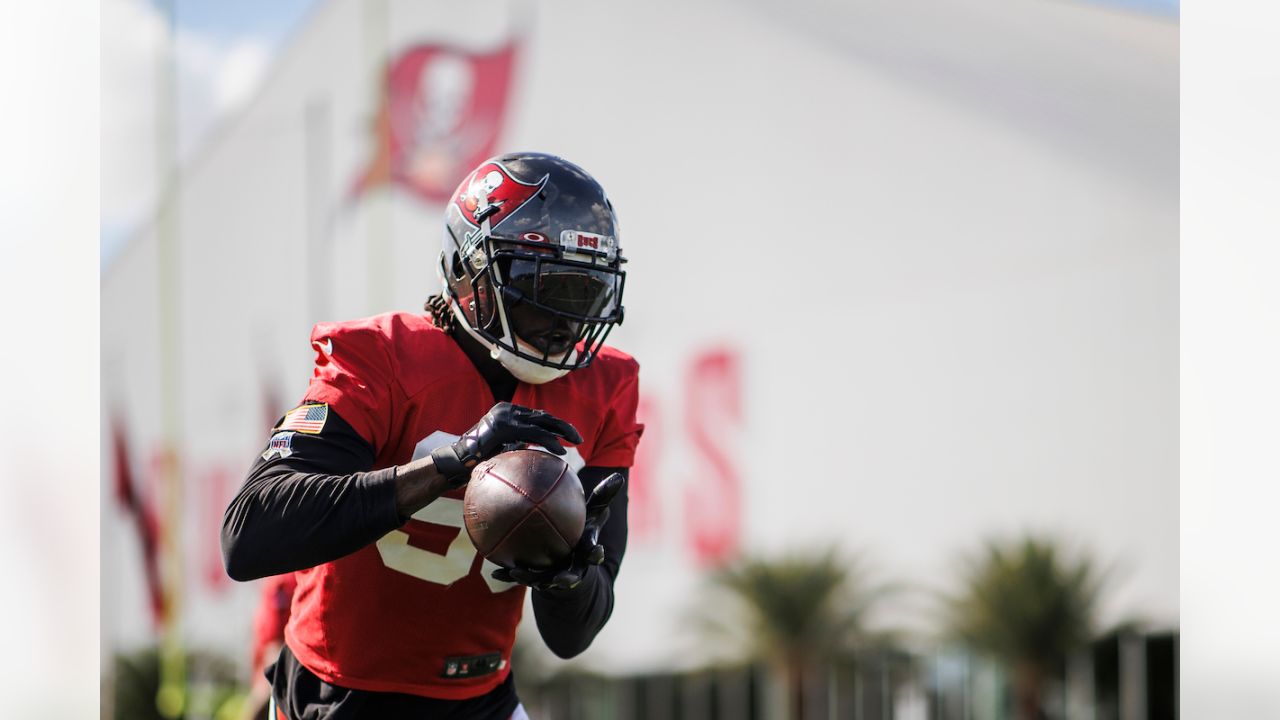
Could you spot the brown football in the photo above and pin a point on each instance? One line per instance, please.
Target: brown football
(524, 508)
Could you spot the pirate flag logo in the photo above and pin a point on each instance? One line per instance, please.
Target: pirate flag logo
(441, 112)
(492, 193)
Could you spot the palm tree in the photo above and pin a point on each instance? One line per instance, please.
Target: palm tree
(795, 613)
(1029, 606)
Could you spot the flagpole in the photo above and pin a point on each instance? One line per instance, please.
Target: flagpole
(378, 222)
(317, 124)
(171, 696)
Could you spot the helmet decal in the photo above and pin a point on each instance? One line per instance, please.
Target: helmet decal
(492, 186)
(579, 241)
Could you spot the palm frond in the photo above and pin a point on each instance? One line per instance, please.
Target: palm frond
(812, 605)
(1026, 601)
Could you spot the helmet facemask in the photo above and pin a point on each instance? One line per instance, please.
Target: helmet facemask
(531, 263)
(533, 300)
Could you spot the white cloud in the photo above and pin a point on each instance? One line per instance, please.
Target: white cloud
(215, 76)
(239, 73)
(132, 33)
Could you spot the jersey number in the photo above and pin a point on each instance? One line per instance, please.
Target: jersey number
(456, 561)
(445, 569)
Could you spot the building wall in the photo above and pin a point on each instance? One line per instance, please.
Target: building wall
(898, 281)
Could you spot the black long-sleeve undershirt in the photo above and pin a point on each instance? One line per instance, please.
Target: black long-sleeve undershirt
(590, 604)
(317, 504)
(321, 502)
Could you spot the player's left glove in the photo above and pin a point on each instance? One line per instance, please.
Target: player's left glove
(588, 551)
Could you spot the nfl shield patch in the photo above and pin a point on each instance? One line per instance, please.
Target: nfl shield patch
(281, 444)
(307, 418)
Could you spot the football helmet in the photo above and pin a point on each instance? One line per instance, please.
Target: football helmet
(531, 263)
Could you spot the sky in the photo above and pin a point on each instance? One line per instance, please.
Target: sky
(223, 51)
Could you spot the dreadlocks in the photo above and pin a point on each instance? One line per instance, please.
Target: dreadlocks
(441, 316)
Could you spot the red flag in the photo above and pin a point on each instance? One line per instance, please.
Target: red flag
(440, 115)
(142, 514)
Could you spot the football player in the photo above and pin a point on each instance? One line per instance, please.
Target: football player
(359, 488)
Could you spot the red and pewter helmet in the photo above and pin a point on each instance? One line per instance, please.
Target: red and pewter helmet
(531, 264)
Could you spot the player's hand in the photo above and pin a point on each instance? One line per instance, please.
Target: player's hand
(587, 553)
(505, 424)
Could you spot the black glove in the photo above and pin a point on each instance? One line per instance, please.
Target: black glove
(588, 551)
(505, 424)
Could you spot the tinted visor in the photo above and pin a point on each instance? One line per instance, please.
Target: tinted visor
(550, 334)
(579, 291)
(554, 304)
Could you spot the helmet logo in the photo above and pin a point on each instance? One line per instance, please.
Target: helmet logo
(492, 193)
(480, 190)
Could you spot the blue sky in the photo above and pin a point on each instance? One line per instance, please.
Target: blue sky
(230, 18)
(223, 48)
(276, 19)
(1157, 7)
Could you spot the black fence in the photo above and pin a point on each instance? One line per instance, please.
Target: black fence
(1128, 676)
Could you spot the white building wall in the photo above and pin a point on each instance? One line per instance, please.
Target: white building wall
(952, 290)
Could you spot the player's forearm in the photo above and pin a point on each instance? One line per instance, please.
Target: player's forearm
(569, 620)
(418, 483)
(284, 520)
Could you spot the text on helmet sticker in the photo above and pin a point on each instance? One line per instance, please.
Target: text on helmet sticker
(577, 241)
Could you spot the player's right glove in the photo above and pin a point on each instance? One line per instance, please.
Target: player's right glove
(588, 552)
(504, 425)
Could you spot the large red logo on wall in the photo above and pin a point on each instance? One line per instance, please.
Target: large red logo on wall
(708, 420)
(440, 115)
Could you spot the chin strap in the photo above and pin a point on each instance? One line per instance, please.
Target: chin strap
(525, 371)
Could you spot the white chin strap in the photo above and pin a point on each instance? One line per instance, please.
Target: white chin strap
(525, 371)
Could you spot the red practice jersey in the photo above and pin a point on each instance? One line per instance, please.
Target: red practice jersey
(408, 613)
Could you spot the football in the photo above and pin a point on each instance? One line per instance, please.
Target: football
(524, 508)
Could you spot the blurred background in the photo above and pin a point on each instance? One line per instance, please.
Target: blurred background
(903, 285)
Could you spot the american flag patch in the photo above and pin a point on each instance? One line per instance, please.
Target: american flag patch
(307, 419)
